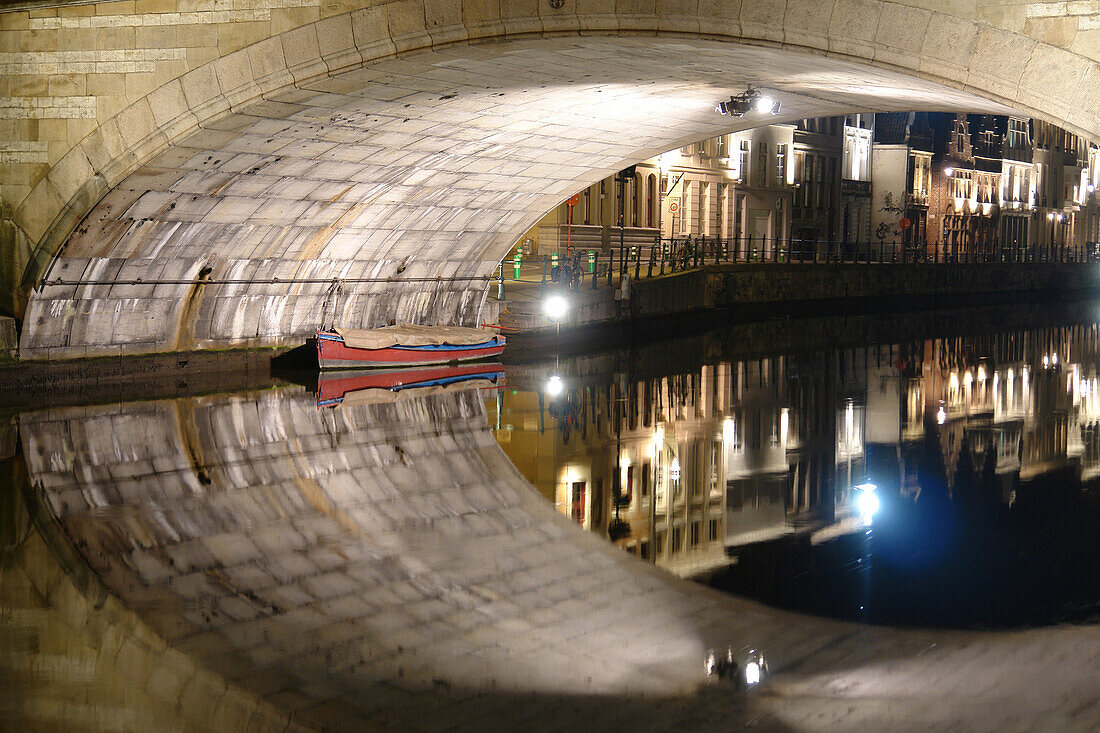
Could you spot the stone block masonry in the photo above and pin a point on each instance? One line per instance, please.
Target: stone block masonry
(223, 127)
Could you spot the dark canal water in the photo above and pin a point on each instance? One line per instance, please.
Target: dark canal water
(744, 458)
(738, 457)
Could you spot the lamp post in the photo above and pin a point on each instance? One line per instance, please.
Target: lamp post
(621, 177)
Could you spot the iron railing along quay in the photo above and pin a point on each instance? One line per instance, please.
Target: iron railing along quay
(591, 266)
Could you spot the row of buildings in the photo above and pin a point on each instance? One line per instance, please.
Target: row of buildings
(927, 185)
(743, 451)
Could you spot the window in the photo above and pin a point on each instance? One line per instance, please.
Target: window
(712, 530)
(780, 164)
(649, 203)
(645, 479)
(743, 165)
(762, 165)
(722, 146)
(695, 533)
(659, 544)
(677, 537)
(704, 209)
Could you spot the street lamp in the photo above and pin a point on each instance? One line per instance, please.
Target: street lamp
(554, 385)
(555, 307)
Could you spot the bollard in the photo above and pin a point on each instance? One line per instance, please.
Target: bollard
(591, 261)
(554, 260)
(633, 253)
(516, 262)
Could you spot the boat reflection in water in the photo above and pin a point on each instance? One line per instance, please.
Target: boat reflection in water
(374, 385)
(757, 472)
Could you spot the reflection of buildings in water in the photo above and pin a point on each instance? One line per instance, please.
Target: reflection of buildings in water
(751, 450)
(1027, 401)
(735, 453)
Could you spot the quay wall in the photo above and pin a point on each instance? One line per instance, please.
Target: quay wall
(724, 286)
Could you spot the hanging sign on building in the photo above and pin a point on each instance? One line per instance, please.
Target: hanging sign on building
(905, 223)
(574, 199)
(674, 206)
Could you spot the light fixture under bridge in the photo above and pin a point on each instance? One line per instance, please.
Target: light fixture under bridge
(747, 101)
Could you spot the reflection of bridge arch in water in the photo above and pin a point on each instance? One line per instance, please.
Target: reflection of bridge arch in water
(390, 568)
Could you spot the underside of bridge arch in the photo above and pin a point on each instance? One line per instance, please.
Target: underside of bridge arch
(406, 180)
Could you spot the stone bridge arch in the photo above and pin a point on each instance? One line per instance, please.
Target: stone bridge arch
(184, 194)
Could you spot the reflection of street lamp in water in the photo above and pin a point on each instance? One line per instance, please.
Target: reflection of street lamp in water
(555, 307)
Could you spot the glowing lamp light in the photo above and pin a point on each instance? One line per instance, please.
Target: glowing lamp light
(941, 416)
(752, 673)
(756, 669)
(554, 385)
(949, 172)
(763, 104)
(867, 502)
(674, 469)
(555, 306)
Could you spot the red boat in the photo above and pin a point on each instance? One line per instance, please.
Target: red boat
(381, 385)
(404, 345)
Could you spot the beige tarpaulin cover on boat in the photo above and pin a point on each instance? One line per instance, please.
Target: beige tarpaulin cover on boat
(407, 334)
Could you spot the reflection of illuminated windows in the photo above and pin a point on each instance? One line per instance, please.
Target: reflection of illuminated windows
(677, 537)
(643, 549)
(695, 527)
(579, 490)
(714, 489)
(712, 530)
(645, 479)
(660, 487)
(674, 476)
(732, 435)
(659, 544)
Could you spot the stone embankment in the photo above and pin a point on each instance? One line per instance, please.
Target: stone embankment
(717, 295)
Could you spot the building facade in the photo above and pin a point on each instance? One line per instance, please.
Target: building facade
(907, 185)
(737, 188)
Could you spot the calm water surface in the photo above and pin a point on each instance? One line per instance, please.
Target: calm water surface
(745, 470)
(734, 457)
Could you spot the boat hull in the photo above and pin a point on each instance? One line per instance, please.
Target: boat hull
(333, 353)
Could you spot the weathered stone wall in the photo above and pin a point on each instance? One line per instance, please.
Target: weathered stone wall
(92, 92)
